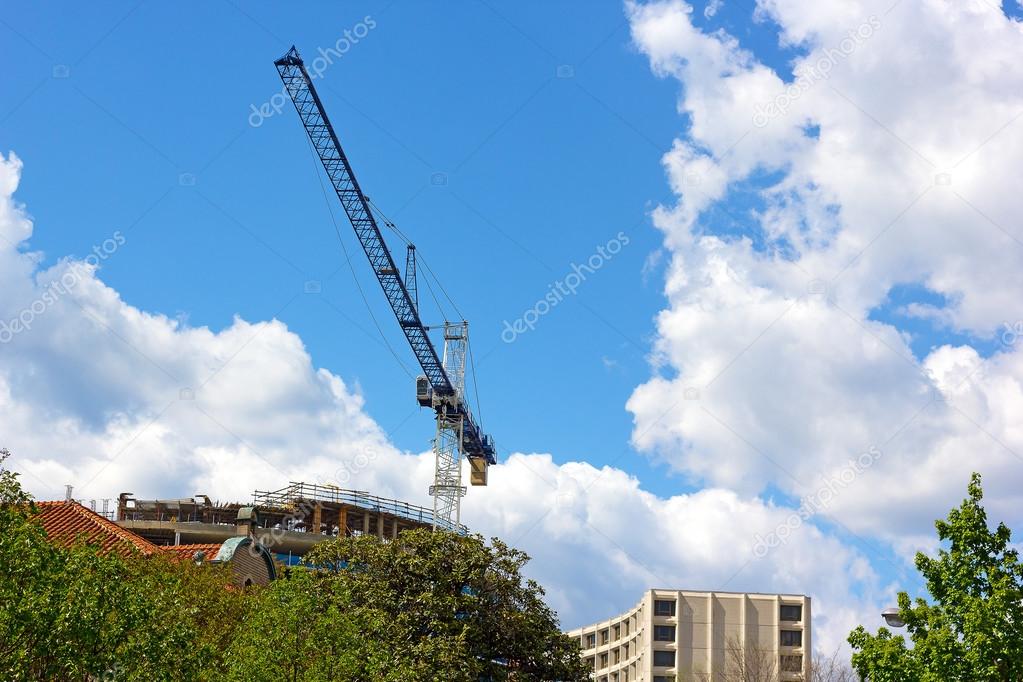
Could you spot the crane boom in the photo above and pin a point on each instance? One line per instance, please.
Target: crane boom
(475, 444)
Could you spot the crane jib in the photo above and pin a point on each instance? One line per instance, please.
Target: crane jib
(335, 163)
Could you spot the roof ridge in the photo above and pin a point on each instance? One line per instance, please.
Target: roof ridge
(101, 523)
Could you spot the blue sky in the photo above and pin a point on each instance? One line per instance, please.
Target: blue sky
(838, 279)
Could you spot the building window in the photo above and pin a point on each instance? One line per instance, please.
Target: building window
(663, 678)
(626, 623)
(792, 612)
(791, 664)
(591, 641)
(664, 633)
(791, 638)
(603, 660)
(664, 607)
(618, 632)
(604, 636)
(664, 658)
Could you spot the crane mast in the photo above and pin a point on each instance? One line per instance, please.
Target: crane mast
(447, 489)
(442, 385)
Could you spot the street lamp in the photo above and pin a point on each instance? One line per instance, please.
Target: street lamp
(892, 617)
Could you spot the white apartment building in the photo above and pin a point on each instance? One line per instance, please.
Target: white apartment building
(681, 635)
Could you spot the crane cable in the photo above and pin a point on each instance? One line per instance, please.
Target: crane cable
(408, 242)
(419, 259)
(390, 224)
(394, 228)
(351, 268)
(475, 385)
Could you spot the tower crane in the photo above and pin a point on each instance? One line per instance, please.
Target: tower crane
(442, 384)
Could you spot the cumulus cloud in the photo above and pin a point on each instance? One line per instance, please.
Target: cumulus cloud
(888, 159)
(97, 393)
(598, 540)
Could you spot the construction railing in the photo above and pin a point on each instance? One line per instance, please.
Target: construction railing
(295, 493)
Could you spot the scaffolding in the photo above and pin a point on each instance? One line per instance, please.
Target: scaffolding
(299, 501)
(300, 507)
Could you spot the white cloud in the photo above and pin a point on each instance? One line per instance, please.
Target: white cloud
(770, 373)
(599, 540)
(110, 398)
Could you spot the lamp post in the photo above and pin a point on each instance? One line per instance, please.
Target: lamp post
(892, 618)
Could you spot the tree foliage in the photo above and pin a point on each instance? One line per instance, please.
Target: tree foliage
(973, 631)
(296, 630)
(425, 606)
(73, 614)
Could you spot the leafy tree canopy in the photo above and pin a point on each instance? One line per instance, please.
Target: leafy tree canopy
(73, 614)
(426, 606)
(973, 630)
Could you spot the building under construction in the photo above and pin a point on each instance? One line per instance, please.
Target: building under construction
(289, 521)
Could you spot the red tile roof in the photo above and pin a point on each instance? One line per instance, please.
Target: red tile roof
(67, 522)
(188, 551)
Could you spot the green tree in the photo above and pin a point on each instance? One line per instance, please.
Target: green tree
(425, 606)
(973, 632)
(306, 628)
(55, 604)
(70, 613)
(176, 619)
(26, 568)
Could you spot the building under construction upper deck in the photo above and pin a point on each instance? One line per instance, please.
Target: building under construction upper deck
(289, 521)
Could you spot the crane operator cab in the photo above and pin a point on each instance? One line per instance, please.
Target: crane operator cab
(424, 391)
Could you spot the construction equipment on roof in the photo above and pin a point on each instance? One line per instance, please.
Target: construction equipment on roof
(442, 385)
